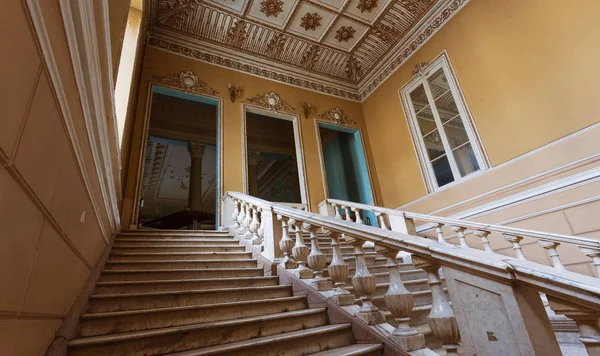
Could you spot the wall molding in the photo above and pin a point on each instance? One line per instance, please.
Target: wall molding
(39, 25)
(79, 21)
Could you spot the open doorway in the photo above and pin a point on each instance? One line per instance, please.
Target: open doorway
(273, 157)
(345, 168)
(180, 180)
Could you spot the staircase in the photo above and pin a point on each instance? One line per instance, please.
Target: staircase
(201, 293)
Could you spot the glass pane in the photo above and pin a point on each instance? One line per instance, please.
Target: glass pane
(443, 172)
(418, 98)
(455, 132)
(438, 84)
(446, 107)
(426, 121)
(466, 160)
(433, 143)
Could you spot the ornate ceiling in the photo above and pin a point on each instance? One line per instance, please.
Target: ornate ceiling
(341, 47)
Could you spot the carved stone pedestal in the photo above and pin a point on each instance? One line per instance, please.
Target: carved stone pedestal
(371, 317)
(344, 299)
(409, 343)
(303, 273)
(322, 284)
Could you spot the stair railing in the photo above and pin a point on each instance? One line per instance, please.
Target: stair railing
(404, 221)
(496, 299)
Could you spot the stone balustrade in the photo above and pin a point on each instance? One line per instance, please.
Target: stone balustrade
(492, 302)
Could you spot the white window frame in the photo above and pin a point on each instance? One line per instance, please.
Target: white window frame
(443, 62)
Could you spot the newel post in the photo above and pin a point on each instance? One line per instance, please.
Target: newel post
(399, 222)
(271, 233)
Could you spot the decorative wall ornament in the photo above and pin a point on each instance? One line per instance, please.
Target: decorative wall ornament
(337, 116)
(311, 21)
(416, 7)
(354, 70)
(310, 57)
(344, 33)
(174, 13)
(419, 69)
(387, 34)
(271, 101)
(188, 82)
(367, 5)
(271, 7)
(307, 109)
(237, 33)
(276, 45)
(235, 91)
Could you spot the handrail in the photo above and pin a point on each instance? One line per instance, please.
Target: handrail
(584, 242)
(584, 289)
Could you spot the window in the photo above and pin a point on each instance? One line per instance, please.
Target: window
(444, 138)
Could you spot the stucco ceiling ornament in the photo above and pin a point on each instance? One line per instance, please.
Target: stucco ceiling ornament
(311, 21)
(419, 69)
(271, 7)
(337, 116)
(271, 101)
(345, 33)
(367, 5)
(174, 13)
(188, 82)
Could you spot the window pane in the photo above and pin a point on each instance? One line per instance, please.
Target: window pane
(434, 145)
(443, 172)
(446, 107)
(466, 160)
(438, 84)
(455, 132)
(418, 98)
(426, 121)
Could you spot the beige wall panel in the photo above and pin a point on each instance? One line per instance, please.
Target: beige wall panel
(68, 180)
(519, 76)
(584, 218)
(26, 337)
(56, 276)
(95, 244)
(21, 222)
(20, 65)
(43, 145)
(80, 218)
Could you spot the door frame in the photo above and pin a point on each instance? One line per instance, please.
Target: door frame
(295, 119)
(342, 128)
(144, 140)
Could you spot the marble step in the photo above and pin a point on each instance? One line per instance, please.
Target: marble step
(353, 350)
(171, 274)
(182, 284)
(174, 233)
(116, 256)
(93, 324)
(143, 241)
(294, 343)
(174, 247)
(186, 337)
(166, 264)
(101, 303)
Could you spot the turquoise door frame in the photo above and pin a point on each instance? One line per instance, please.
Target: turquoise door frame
(346, 171)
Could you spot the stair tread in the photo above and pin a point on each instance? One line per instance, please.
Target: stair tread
(183, 261)
(262, 341)
(187, 307)
(350, 350)
(92, 340)
(178, 253)
(178, 270)
(189, 280)
(188, 291)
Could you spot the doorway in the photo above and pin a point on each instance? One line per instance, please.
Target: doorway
(181, 185)
(273, 157)
(345, 170)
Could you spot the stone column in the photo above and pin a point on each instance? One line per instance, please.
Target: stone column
(196, 151)
(253, 159)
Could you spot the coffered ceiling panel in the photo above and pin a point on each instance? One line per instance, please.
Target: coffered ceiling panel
(341, 45)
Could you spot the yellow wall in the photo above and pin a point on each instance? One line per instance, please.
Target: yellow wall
(159, 63)
(529, 72)
(117, 13)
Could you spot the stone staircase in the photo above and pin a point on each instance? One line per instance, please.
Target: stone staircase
(201, 293)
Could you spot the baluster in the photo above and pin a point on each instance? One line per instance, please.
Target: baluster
(516, 244)
(317, 260)
(399, 302)
(442, 321)
(337, 211)
(300, 252)
(348, 217)
(381, 220)
(460, 231)
(365, 285)
(261, 228)
(286, 244)
(358, 218)
(594, 254)
(235, 213)
(338, 271)
(254, 226)
(483, 235)
(241, 217)
(439, 233)
(248, 221)
(550, 248)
